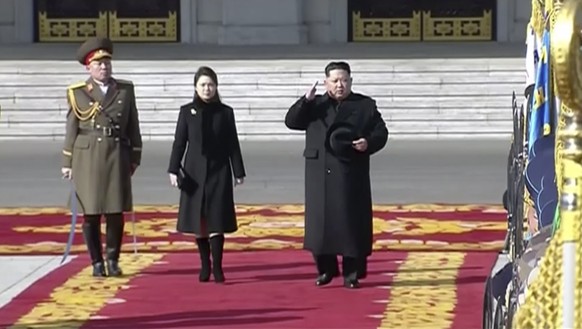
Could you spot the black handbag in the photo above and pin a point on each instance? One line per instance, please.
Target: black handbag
(181, 177)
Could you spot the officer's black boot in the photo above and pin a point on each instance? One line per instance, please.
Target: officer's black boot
(217, 248)
(115, 224)
(204, 251)
(92, 234)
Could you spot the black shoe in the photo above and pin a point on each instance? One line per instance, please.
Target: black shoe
(204, 252)
(113, 268)
(323, 279)
(351, 283)
(99, 270)
(217, 248)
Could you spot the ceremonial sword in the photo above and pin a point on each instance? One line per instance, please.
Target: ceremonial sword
(73, 196)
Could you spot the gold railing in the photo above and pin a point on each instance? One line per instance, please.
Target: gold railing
(70, 29)
(457, 28)
(143, 29)
(386, 29)
(422, 26)
(156, 29)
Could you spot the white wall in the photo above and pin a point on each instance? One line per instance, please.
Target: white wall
(269, 21)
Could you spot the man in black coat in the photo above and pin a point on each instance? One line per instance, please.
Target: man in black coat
(343, 129)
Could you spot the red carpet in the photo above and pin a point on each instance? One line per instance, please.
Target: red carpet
(427, 272)
(265, 289)
(408, 227)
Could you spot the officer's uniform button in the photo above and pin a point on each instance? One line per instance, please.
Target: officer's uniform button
(117, 139)
(99, 139)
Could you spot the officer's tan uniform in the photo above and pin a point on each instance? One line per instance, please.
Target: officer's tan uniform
(102, 145)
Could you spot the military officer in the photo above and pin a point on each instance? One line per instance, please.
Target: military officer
(102, 150)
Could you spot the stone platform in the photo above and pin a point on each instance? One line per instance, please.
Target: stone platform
(423, 91)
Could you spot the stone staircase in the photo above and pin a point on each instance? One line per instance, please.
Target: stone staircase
(418, 98)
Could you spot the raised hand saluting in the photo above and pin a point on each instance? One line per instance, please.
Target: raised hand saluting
(310, 94)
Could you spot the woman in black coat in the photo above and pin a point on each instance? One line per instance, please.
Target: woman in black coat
(207, 128)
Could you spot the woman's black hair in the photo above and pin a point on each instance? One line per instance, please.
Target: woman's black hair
(208, 72)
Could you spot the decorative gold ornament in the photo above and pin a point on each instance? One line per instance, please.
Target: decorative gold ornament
(567, 55)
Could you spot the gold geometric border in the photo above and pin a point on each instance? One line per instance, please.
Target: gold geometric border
(286, 208)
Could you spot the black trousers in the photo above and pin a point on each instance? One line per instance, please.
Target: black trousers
(352, 268)
(113, 236)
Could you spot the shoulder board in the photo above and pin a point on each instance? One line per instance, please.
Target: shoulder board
(77, 85)
(123, 82)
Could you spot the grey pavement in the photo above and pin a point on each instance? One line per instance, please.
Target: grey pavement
(19, 272)
(423, 171)
(452, 171)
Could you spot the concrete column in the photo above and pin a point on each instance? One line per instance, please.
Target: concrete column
(262, 22)
(24, 21)
(188, 21)
(16, 21)
(521, 12)
(339, 20)
(185, 21)
(504, 19)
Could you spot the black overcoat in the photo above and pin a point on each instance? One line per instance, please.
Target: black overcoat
(338, 200)
(213, 157)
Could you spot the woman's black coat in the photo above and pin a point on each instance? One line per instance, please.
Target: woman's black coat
(208, 132)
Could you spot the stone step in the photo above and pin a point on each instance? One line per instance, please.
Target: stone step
(425, 108)
(272, 67)
(274, 82)
(408, 127)
(267, 66)
(253, 102)
(257, 91)
(406, 91)
(63, 80)
(478, 105)
(167, 130)
(261, 82)
(421, 98)
(427, 115)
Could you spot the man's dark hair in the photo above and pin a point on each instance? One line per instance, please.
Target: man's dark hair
(337, 66)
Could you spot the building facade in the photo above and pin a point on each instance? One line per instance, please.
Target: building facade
(248, 22)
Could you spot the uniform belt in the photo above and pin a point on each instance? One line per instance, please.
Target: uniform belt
(104, 132)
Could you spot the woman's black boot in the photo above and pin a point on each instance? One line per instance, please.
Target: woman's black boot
(217, 247)
(204, 251)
